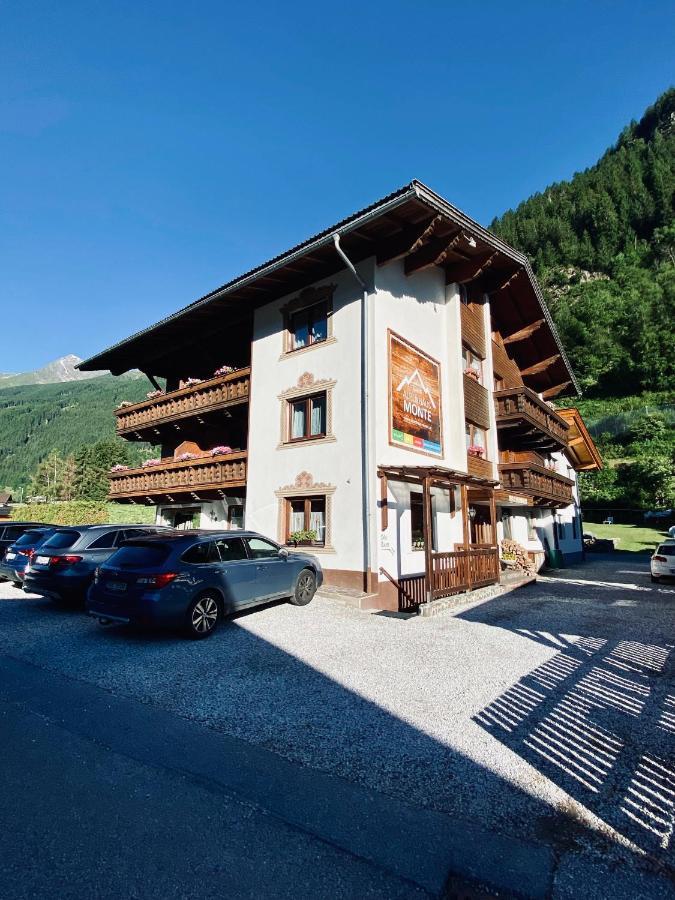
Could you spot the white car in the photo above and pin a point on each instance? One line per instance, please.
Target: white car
(671, 532)
(663, 561)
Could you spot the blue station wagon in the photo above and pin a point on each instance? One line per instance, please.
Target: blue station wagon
(193, 579)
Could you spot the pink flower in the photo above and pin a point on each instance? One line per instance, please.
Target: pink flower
(119, 468)
(152, 462)
(151, 395)
(184, 456)
(475, 450)
(218, 451)
(224, 370)
(190, 382)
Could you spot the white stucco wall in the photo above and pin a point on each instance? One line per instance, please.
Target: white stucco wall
(337, 463)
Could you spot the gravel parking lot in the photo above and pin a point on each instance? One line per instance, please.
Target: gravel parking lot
(548, 713)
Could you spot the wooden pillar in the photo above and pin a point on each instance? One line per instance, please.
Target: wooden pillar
(493, 517)
(384, 509)
(426, 535)
(465, 516)
(466, 525)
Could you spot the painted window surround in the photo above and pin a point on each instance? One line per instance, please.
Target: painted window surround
(306, 386)
(311, 296)
(305, 486)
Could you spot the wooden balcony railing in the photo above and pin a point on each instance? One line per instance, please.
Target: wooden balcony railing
(522, 404)
(481, 468)
(207, 396)
(463, 570)
(529, 477)
(201, 476)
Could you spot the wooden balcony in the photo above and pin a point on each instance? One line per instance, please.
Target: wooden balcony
(527, 474)
(143, 420)
(201, 478)
(526, 421)
(482, 468)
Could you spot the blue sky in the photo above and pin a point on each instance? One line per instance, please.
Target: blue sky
(151, 151)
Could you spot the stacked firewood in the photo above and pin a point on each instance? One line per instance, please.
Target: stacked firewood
(516, 557)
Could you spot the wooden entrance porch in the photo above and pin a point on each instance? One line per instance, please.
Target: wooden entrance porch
(467, 565)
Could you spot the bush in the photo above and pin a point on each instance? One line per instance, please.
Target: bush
(84, 512)
(69, 512)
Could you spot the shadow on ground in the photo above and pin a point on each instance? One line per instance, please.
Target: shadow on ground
(598, 718)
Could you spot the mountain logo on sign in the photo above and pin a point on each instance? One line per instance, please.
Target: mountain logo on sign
(415, 380)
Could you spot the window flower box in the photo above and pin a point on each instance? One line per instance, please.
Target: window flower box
(472, 373)
(302, 538)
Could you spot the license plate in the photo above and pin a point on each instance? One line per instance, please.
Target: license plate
(116, 585)
(10, 555)
(42, 561)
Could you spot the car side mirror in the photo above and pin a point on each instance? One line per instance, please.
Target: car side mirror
(283, 553)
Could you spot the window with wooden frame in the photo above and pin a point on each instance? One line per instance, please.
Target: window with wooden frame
(417, 521)
(306, 520)
(307, 417)
(499, 383)
(308, 326)
(472, 364)
(475, 440)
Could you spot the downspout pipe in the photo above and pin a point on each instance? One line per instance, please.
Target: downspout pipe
(365, 440)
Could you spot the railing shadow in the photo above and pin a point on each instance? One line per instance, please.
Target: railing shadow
(598, 717)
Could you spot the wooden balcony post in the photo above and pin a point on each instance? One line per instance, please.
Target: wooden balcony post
(427, 532)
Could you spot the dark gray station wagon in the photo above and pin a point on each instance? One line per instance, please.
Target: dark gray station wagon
(64, 567)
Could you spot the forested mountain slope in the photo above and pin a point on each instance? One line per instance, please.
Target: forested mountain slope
(37, 419)
(603, 246)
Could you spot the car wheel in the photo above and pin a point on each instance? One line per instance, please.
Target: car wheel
(305, 588)
(202, 616)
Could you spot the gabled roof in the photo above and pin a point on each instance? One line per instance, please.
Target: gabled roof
(413, 223)
(581, 449)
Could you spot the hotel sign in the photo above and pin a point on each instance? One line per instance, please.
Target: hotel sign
(414, 398)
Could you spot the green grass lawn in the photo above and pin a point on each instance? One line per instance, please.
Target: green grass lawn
(637, 538)
(130, 514)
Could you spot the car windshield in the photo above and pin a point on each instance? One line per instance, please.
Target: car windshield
(137, 555)
(666, 550)
(29, 539)
(61, 539)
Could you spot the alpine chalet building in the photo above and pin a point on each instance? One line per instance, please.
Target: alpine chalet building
(381, 394)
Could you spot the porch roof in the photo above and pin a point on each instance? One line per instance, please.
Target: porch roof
(417, 474)
(414, 224)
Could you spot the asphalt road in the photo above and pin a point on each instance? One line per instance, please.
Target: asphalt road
(327, 753)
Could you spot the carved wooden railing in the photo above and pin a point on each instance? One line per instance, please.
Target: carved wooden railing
(208, 473)
(522, 403)
(207, 396)
(534, 480)
(463, 570)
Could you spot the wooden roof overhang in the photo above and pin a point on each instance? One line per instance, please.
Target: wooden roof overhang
(413, 224)
(581, 450)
